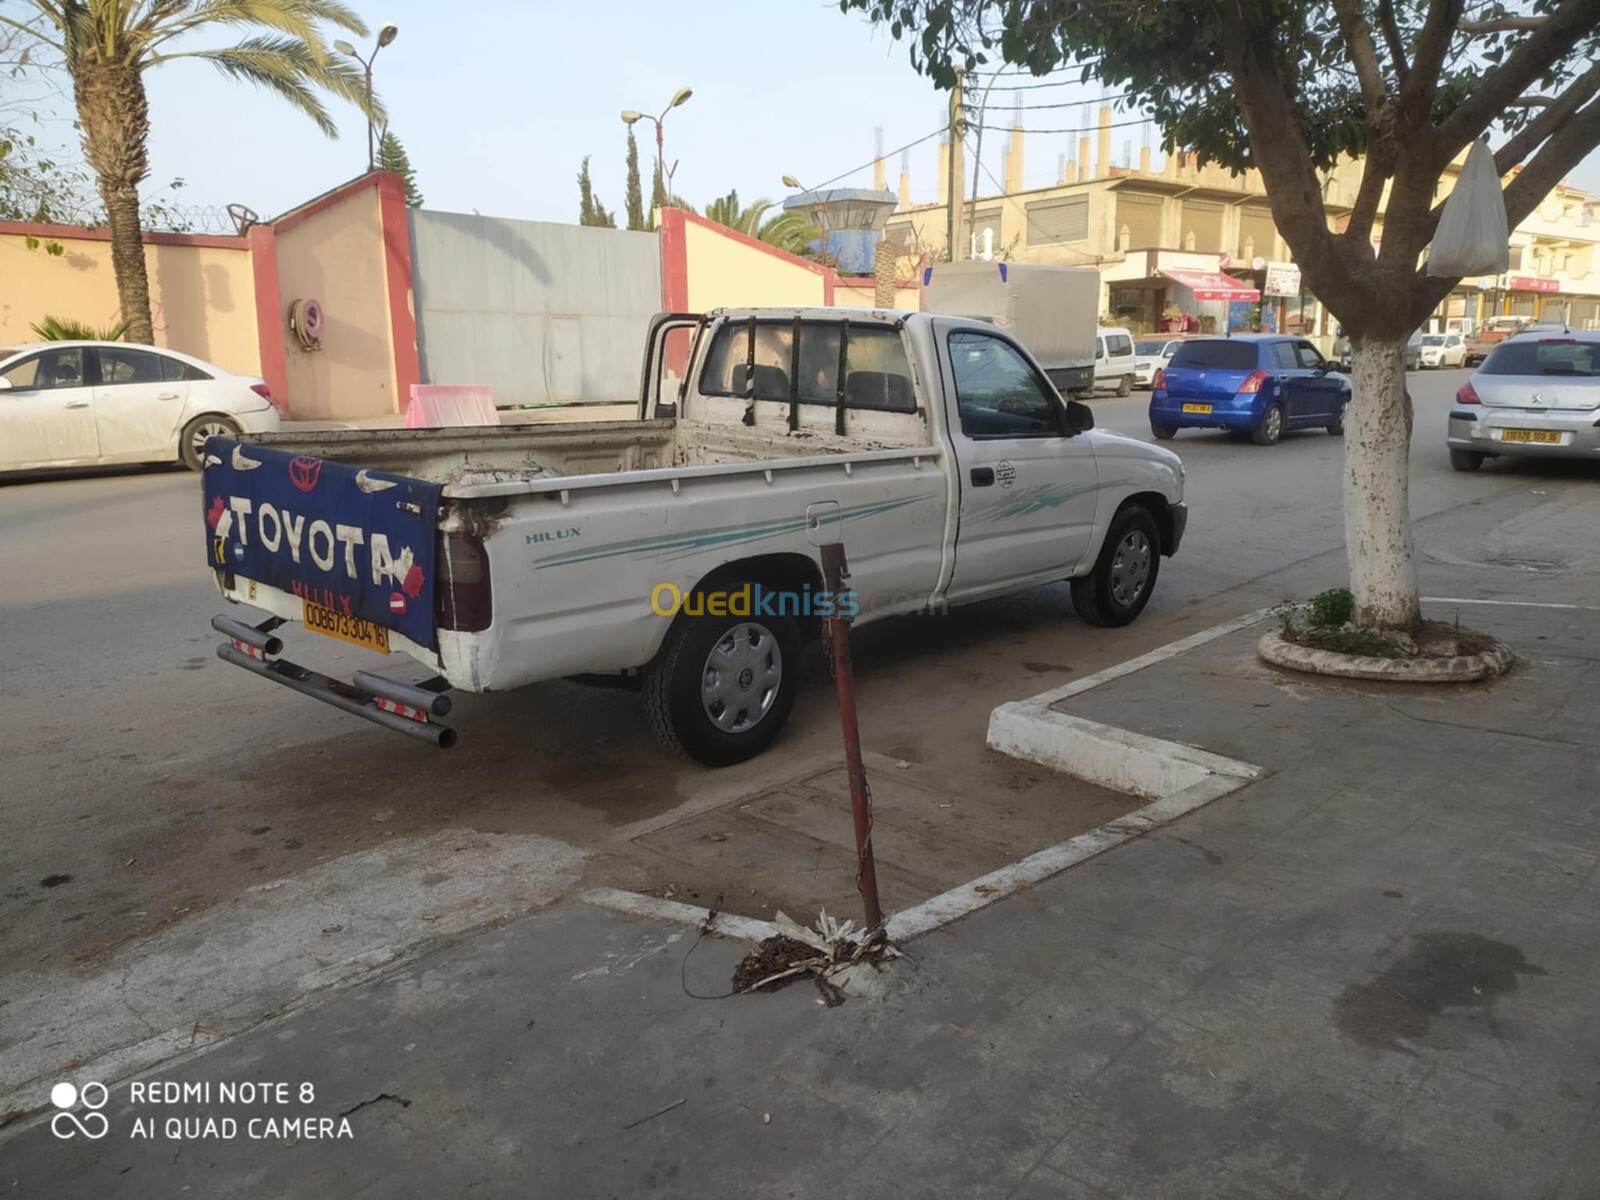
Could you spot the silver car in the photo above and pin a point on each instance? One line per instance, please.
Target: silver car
(1536, 394)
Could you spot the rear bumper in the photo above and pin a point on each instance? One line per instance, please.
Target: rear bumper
(402, 707)
(1579, 432)
(1233, 412)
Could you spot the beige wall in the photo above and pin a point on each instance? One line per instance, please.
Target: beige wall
(202, 298)
(907, 298)
(336, 256)
(725, 272)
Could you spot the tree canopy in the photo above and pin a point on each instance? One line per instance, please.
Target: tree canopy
(1289, 86)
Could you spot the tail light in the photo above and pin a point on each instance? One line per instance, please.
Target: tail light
(1160, 381)
(263, 391)
(1467, 394)
(1252, 383)
(462, 598)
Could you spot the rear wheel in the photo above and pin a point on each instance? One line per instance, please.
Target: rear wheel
(1271, 428)
(1466, 460)
(1336, 426)
(723, 687)
(1125, 385)
(1163, 433)
(192, 441)
(1124, 575)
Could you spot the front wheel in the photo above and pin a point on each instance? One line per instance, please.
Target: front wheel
(723, 687)
(192, 441)
(1336, 426)
(1125, 385)
(1116, 591)
(1271, 428)
(1466, 460)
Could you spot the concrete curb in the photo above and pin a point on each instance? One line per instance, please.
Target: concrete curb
(1463, 668)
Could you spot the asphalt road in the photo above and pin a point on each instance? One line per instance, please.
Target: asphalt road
(165, 783)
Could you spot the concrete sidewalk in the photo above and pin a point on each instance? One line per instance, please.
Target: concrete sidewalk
(1372, 974)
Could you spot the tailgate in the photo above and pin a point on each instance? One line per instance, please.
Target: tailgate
(1199, 383)
(357, 542)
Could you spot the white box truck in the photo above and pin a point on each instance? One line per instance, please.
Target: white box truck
(1053, 311)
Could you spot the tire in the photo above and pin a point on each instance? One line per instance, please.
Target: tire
(1116, 591)
(734, 719)
(1466, 460)
(1125, 385)
(1163, 433)
(1336, 426)
(192, 441)
(1271, 428)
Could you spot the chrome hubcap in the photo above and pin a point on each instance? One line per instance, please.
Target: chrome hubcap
(210, 429)
(1130, 568)
(1274, 423)
(741, 678)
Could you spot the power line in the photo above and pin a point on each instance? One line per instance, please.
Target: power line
(1085, 129)
(1072, 103)
(897, 150)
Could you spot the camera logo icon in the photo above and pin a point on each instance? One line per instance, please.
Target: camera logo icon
(92, 1123)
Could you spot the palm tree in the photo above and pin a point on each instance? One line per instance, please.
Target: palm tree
(108, 45)
(785, 230)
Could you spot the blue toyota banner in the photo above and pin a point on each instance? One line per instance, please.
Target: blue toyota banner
(356, 541)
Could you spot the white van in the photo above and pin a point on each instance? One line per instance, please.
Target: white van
(1114, 362)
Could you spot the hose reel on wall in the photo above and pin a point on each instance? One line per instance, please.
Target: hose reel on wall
(306, 323)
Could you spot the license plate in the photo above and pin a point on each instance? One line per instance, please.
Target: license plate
(1197, 408)
(1544, 437)
(344, 627)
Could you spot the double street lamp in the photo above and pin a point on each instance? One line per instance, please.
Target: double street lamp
(663, 174)
(387, 32)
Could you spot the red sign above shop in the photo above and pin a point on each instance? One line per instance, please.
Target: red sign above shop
(1213, 285)
(1532, 283)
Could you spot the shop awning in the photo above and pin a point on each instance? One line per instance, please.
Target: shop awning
(1212, 285)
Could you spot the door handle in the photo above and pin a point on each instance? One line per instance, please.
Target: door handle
(982, 476)
(77, 404)
(167, 396)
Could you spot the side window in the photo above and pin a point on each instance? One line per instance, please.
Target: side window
(1099, 348)
(1284, 357)
(998, 393)
(50, 369)
(1120, 344)
(174, 371)
(129, 366)
(1309, 358)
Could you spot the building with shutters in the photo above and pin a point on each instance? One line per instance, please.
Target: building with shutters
(1201, 240)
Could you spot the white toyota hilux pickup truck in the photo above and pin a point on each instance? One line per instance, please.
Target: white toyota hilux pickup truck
(681, 549)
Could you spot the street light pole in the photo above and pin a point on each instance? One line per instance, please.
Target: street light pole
(822, 209)
(663, 184)
(387, 32)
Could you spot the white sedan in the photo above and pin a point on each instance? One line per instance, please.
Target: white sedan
(1444, 350)
(85, 404)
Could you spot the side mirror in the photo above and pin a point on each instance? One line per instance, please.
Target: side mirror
(1079, 418)
(5, 384)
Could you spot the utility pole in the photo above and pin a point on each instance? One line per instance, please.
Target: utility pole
(958, 131)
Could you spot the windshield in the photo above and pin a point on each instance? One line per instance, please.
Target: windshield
(1556, 356)
(1228, 355)
(1152, 348)
(1433, 339)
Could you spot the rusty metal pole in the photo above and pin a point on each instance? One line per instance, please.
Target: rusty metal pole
(834, 573)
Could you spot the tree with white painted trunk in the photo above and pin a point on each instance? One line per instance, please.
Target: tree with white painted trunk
(1289, 88)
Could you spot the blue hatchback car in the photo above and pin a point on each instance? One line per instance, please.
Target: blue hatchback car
(1262, 384)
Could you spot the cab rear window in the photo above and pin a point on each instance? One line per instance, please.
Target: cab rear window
(1219, 354)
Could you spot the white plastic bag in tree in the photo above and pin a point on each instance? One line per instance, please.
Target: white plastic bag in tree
(1473, 237)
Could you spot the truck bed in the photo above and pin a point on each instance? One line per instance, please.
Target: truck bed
(467, 459)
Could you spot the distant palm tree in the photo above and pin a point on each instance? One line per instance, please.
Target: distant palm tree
(785, 230)
(108, 45)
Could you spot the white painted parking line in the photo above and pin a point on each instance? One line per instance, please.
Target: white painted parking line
(1510, 603)
(637, 904)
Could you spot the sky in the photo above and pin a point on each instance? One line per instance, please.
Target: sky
(498, 102)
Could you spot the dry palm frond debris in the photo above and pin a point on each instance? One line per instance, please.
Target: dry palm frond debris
(821, 952)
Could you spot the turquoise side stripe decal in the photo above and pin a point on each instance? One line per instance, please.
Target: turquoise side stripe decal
(675, 546)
